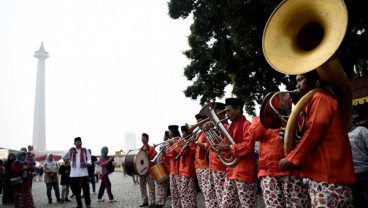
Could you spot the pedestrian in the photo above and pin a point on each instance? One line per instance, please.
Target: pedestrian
(80, 159)
(91, 172)
(7, 190)
(358, 136)
(2, 175)
(64, 172)
(20, 183)
(105, 181)
(51, 170)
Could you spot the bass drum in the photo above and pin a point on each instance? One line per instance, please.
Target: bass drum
(136, 163)
(160, 172)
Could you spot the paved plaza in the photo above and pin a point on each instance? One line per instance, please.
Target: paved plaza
(123, 188)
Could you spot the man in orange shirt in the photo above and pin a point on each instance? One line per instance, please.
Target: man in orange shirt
(216, 167)
(202, 170)
(151, 153)
(188, 191)
(163, 187)
(323, 154)
(281, 188)
(174, 168)
(240, 184)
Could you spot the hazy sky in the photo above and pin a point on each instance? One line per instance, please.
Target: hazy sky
(115, 66)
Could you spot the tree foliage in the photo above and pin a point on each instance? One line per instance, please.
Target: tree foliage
(226, 48)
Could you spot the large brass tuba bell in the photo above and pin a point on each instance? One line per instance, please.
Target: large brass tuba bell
(303, 35)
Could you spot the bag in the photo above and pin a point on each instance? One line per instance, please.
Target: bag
(16, 181)
(110, 167)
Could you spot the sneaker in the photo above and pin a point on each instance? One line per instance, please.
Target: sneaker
(100, 200)
(112, 200)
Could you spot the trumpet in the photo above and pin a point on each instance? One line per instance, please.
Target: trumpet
(166, 143)
(214, 135)
(182, 142)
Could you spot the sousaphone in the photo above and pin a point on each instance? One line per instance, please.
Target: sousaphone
(303, 35)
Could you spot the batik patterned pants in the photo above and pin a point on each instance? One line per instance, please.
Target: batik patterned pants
(188, 192)
(330, 195)
(238, 193)
(218, 177)
(151, 186)
(207, 187)
(162, 192)
(284, 191)
(174, 190)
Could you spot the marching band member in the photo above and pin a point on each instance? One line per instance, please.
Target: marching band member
(202, 170)
(323, 153)
(280, 188)
(217, 168)
(188, 193)
(151, 153)
(174, 170)
(162, 188)
(240, 183)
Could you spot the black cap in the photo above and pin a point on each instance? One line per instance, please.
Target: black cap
(235, 102)
(77, 139)
(184, 128)
(219, 106)
(200, 117)
(174, 127)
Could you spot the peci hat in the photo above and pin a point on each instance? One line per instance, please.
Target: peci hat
(219, 106)
(77, 139)
(235, 102)
(184, 128)
(174, 127)
(200, 117)
(145, 135)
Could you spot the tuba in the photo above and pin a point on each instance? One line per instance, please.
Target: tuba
(214, 136)
(303, 35)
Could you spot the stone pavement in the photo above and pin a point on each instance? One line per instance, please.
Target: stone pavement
(124, 190)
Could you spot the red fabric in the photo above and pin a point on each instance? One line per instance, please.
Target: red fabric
(244, 148)
(186, 164)
(200, 159)
(174, 164)
(271, 150)
(324, 152)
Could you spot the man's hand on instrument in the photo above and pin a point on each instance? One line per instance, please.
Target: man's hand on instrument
(286, 165)
(222, 146)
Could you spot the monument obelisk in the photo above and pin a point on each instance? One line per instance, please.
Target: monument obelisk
(39, 123)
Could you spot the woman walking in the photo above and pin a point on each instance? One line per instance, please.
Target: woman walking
(105, 181)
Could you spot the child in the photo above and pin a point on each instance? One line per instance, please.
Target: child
(64, 171)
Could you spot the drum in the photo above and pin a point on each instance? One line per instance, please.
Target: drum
(136, 163)
(160, 172)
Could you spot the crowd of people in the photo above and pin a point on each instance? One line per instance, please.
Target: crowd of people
(327, 167)
(74, 174)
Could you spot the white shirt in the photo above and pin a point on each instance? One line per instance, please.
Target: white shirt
(77, 171)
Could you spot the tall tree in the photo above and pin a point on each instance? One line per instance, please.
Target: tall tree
(226, 48)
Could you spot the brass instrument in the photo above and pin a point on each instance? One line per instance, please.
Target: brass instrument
(193, 131)
(303, 35)
(213, 131)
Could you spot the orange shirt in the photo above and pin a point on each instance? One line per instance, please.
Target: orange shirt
(244, 148)
(174, 164)
(151, 153)
(186, 164)
(271, 150)
(166, 160)
(200, 160)
(324, 152)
